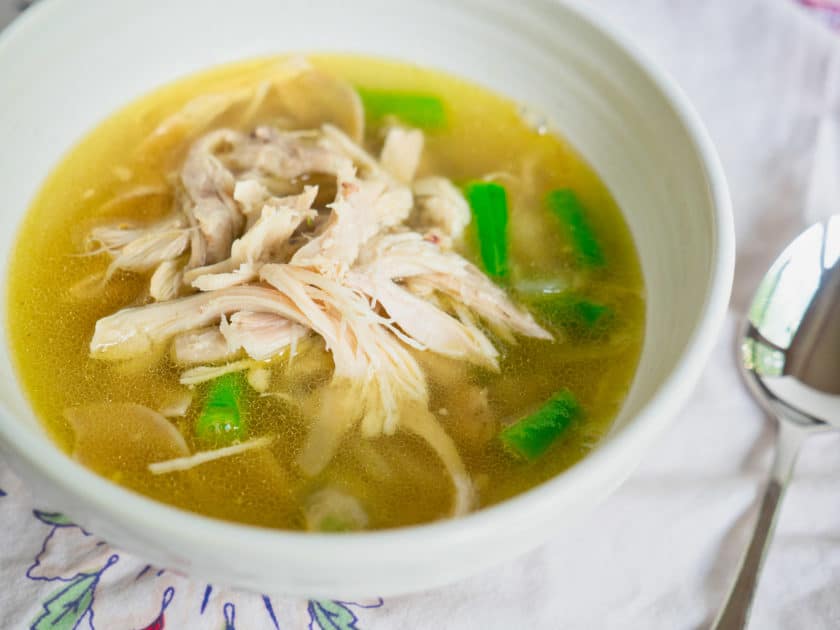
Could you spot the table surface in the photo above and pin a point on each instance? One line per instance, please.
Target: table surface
(659, 553)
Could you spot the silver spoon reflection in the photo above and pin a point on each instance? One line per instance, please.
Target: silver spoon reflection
(790, 359)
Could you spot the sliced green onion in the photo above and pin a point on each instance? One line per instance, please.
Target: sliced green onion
(413, 108)
(488, 202)
(530, 437)
(221, 421)
(566, 206)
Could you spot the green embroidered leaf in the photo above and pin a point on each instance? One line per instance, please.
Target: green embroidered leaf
(330, 615)
(53, 518)
(65, 609)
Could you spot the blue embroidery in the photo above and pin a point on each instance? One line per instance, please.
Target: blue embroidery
(270, 609)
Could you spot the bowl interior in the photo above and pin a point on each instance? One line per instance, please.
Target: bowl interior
(628, 123)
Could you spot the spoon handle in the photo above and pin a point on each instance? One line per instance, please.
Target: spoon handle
(734, 614)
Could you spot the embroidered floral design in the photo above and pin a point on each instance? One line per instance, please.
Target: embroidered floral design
(328, 614)
(69, 605)
(86, 586)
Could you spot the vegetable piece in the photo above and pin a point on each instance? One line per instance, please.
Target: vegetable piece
(488, 202)
(578, 316)
(530, 437)
(331, 510)
(566, 206)
(221, 422)
(202, 457)
(412, 108)
(124, 437)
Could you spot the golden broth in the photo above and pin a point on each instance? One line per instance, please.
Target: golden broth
(398, 479)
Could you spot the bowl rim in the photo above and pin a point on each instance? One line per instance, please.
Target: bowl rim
(175, 523)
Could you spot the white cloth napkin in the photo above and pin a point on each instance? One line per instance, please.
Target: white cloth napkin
(661, 552)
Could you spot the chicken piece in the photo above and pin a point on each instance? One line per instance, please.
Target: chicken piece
(280, 217)
(261, 335)
(250, 194)
(166, 281)
(361, 210)
(205, 345)
(337, 142)
(435, 329)
(264, 240)
(476, 292)
(364, 350)
(404, 254)
(401, 153)
(209, 188)
(135, 331)
(407, 255)
(142, 249)
(420, 421)
(206, 373)
(247, 272)
(283, 154)
(440, 205)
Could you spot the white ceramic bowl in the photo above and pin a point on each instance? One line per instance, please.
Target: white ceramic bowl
(66, 65)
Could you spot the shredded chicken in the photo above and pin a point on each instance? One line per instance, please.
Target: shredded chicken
(202, 457)
(362, 209)
(373, 274)
(401, 153)
(440, 205)
(209, 187)
(261, 335)
(141, 249)
(205, 345)
(166, 281)
(263, 240)
(205, 373)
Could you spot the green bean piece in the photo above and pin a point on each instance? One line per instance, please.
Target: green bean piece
(425, 111)
(565, 205)
(488, 202)
(531, 436)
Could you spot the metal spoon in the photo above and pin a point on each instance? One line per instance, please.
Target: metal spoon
(790, 359)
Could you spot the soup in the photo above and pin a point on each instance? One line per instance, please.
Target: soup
(326, 294)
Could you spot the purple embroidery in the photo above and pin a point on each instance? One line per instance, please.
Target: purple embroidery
(206, 599)
(270, 609)
(56, 521)
(229, 611)
(143, 572)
